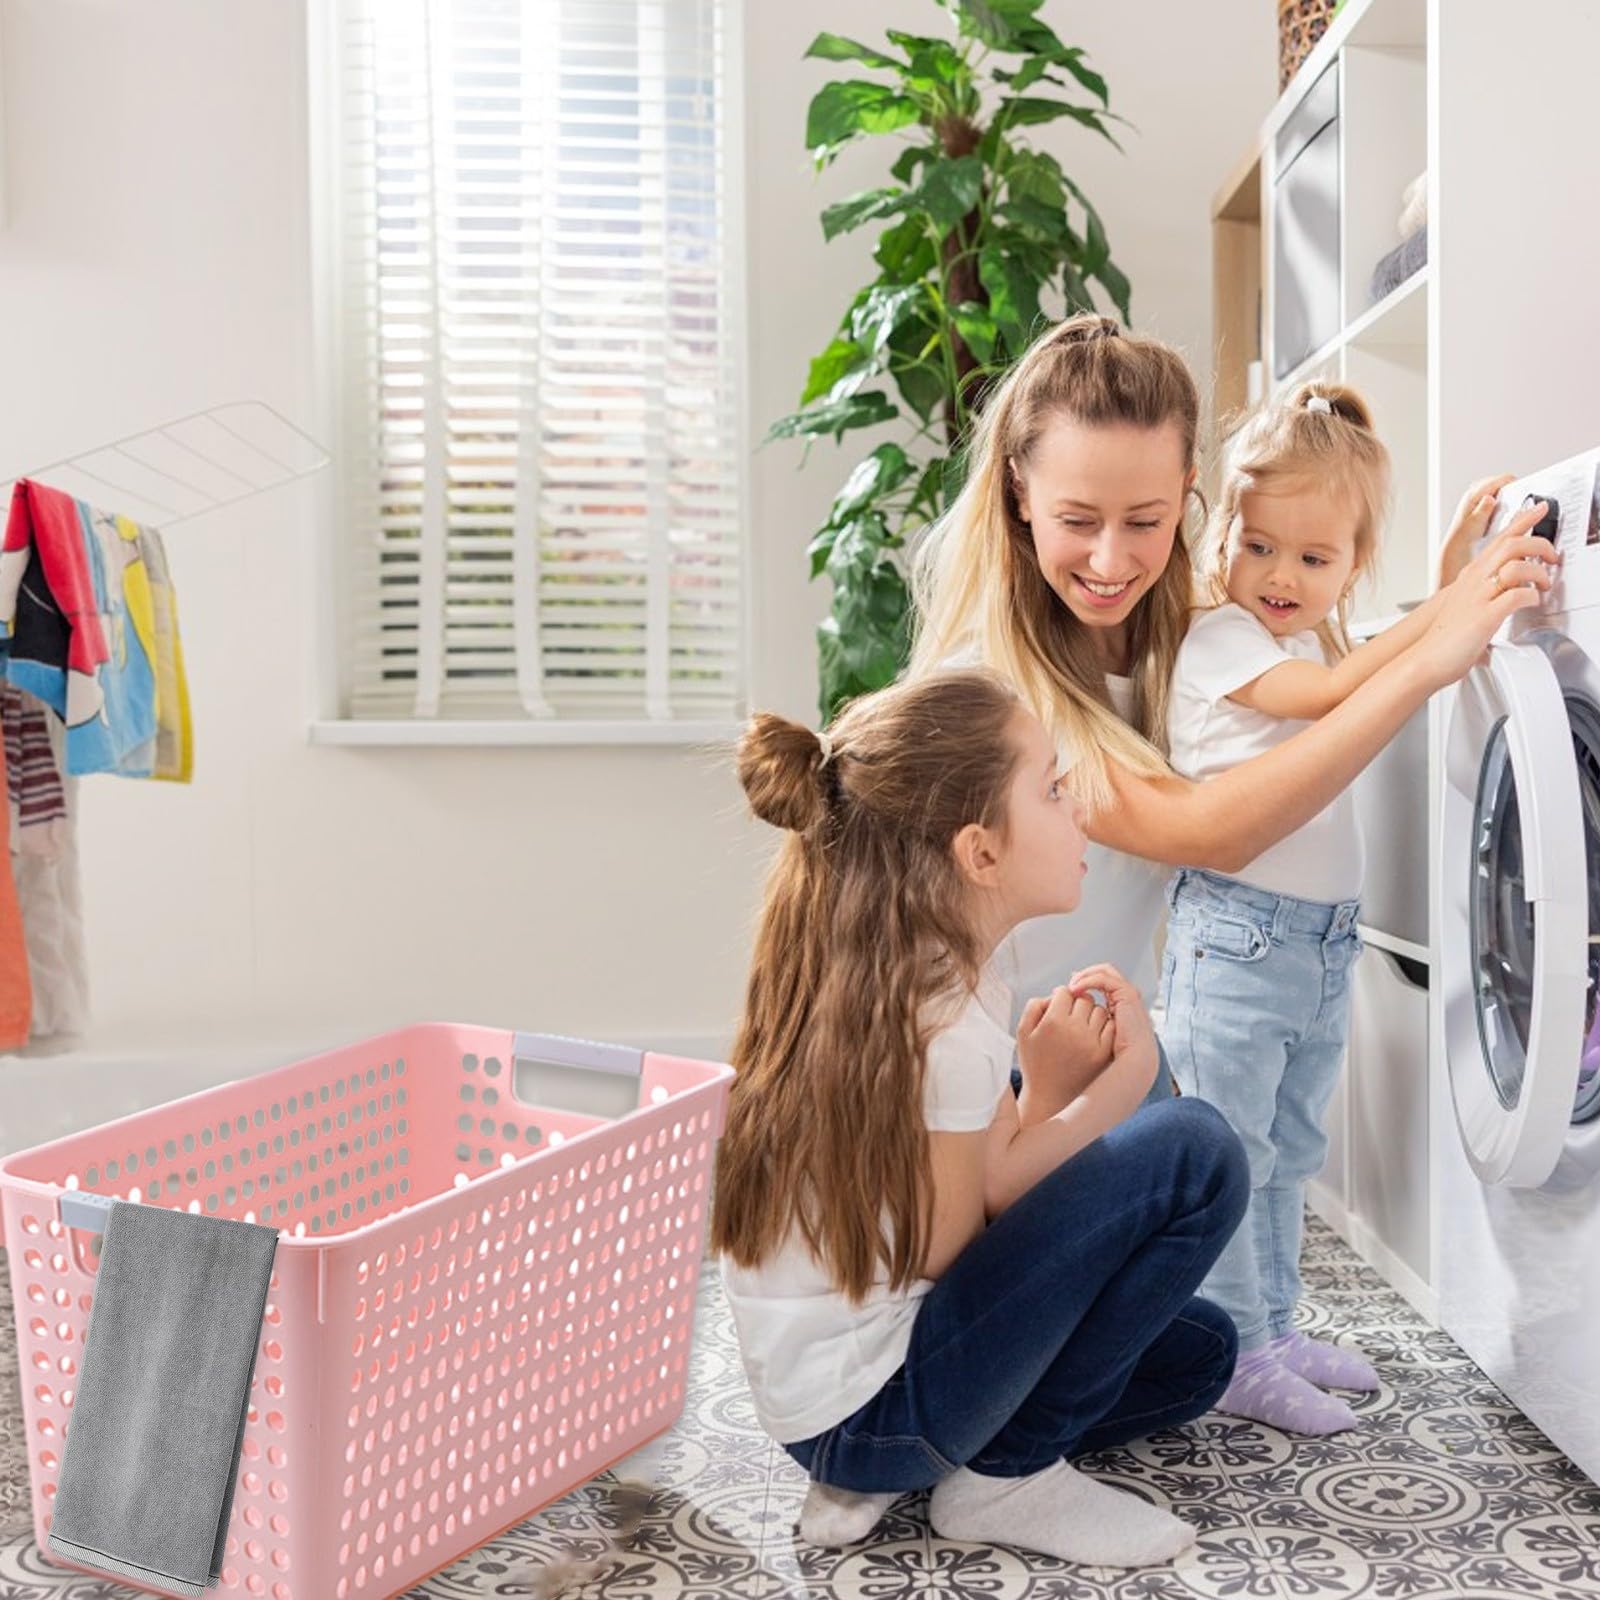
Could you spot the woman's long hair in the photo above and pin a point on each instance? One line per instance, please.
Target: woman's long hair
(976, 577)
(866, 944)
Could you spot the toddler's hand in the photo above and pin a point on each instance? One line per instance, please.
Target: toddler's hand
(1133, 1047)
(1064, 1043)
(1469, 525)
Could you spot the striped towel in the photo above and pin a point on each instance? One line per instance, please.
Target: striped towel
(33, 782)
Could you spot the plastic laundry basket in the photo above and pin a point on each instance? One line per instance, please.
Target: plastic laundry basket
(483, 1293)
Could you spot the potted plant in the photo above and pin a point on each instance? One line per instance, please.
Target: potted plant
(976, 226)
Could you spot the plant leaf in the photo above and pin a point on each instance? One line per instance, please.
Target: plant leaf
(1027, 110)
(975, 323)
(883, 309)
(832, 47)
(905, 252)
(839, 111)
(1034, 217)
(836, 417)
(879, 474)
(867, 206)
(1013, 293)
(906, 163)
(842, 357)
(949, 190)
(997, 23)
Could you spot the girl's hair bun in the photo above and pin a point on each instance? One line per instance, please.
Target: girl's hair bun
(780, 766)
(1333, 399)
(1088, 328)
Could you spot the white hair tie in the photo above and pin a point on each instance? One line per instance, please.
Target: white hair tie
(1318, 402)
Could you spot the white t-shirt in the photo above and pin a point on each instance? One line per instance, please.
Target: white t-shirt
(1225, 649)
(1122, 908)
(812, 1358)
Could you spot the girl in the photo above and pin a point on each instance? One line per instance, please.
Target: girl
(1255, 981)
(934, 1282)
(1061, 564)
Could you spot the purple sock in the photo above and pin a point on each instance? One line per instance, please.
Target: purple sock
(1265, 1390)
(1329, 1366)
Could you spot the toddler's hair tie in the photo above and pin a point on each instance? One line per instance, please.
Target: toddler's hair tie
(1320, 402)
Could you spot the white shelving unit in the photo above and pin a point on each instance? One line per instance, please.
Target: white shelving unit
(1482, 362)
(1491, 103)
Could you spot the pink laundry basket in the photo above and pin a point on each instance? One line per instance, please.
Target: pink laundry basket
(478, 1301)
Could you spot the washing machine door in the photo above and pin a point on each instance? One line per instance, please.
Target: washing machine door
(1514, 939)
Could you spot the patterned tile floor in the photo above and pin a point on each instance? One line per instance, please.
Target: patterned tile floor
(1446, 1490)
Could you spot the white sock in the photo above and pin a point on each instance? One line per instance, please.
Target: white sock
(833, 1516)
(1060, 1512)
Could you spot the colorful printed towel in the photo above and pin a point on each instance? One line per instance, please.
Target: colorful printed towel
(87, 601)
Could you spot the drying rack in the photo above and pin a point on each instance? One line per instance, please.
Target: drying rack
(185, 468)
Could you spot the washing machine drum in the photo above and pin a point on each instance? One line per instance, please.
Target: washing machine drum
(1521, 818)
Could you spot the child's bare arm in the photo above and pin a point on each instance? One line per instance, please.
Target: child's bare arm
(1018, 1157)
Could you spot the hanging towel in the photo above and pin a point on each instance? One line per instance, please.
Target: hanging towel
(50, 895)
(80, 607)
(152, 1451)
(174, 730)
(33, 782)
(16, 991)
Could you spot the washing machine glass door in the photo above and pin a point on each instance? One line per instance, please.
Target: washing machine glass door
(1515, 939)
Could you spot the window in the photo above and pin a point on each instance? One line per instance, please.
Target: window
(537, 331)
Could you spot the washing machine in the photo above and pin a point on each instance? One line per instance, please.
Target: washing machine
(1516, 1124)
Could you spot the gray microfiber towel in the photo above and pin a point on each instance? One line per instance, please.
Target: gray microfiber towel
(152, 1450)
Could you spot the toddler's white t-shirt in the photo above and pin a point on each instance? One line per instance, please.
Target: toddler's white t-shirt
(810, 1356)
(1208, 733)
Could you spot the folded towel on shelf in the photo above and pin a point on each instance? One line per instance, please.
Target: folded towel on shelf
(1399, 265)
(152, 1451)
(1413, 206)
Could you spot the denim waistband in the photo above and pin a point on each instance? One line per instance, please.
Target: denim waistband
(1277, 914)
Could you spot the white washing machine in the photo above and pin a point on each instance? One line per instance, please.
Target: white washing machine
(1516, 1125)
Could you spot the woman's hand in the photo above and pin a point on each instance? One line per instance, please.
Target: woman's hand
(1510, 574)
(1133, 1043)
(1064, 1042)
(1469, 525)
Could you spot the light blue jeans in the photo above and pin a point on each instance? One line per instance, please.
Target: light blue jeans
(1255, 990)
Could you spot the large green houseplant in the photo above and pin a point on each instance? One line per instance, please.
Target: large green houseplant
(978, 226)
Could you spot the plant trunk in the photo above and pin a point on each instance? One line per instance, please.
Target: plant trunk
(959, 137)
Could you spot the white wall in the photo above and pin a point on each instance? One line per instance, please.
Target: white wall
(155, 261)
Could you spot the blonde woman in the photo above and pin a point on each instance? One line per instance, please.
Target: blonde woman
(1062, 564)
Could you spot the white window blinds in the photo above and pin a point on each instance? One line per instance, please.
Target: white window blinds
(539, 315)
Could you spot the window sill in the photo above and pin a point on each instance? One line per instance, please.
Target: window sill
(399, 731)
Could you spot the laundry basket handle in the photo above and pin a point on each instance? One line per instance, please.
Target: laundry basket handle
(83, 1208)
(562, 1051)
(559, 1074)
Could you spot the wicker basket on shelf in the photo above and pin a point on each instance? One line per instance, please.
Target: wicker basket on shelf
(1300, 24)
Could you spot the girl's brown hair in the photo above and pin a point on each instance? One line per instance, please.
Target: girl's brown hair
(866, 944)
(1322, 435)
(976, 575)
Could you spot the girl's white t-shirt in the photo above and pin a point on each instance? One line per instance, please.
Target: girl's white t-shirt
(1117, 920)
(811, 1357)
(1225, 649)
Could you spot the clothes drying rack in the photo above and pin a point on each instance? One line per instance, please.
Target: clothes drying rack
(185, 468)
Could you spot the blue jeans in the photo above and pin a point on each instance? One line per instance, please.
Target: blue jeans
(1255, 991)
(1069, 1324)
